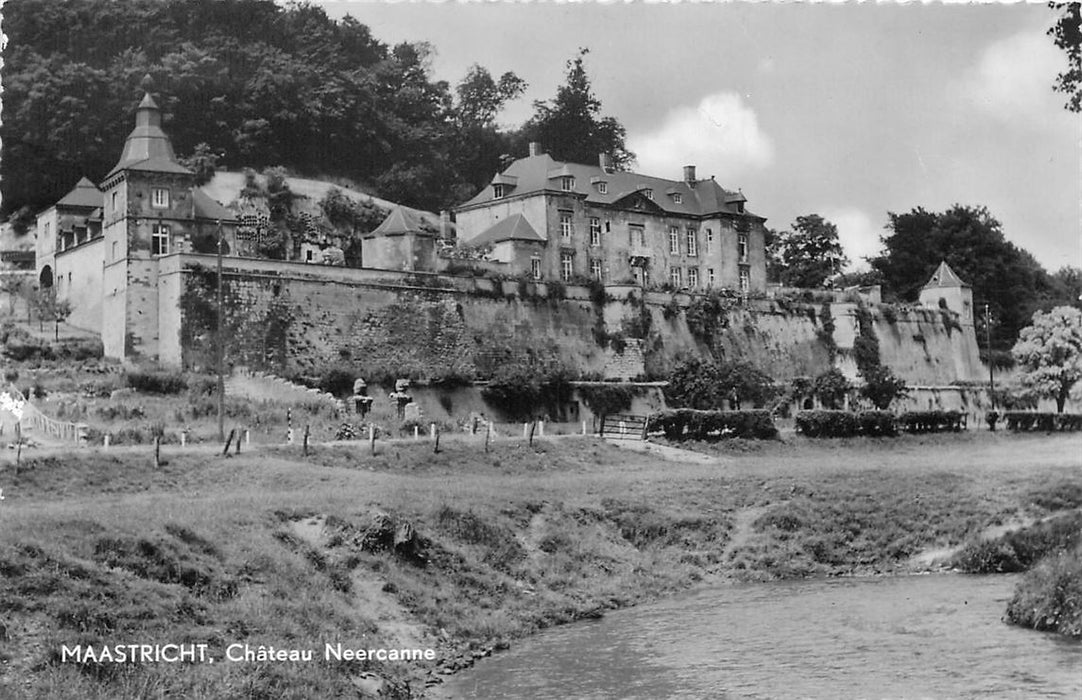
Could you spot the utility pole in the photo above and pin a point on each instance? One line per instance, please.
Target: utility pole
(220, 345)
(991, 363)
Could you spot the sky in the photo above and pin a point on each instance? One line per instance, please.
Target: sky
(847, 111)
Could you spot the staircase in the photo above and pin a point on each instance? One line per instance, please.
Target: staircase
(260, 386)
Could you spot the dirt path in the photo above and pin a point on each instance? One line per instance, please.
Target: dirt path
(666, 452)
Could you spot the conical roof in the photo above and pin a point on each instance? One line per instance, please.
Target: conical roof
(944, 276)
(147, 146)
(401, 220)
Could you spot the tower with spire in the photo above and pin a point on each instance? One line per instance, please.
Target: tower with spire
(947, 288)
(102, 245)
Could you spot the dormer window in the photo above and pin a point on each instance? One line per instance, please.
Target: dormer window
(678, 198)
(603, 187)
(648, 193)
(567, 183)
(499, 191)
(739, 207)
(159, 198)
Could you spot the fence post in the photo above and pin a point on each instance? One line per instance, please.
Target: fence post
(306, 425)
(105, 442)
(371, 438)
(436, 444)
(583, 427)
(237, 450)
(488, 434)
(533, 426)
(229, 442)
(525, 429)
(541, 428)
(157, 451)
(416, 432)
(247, 437)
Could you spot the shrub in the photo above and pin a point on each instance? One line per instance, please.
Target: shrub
(882, 387)
(706, 385)
(1021, 549)
(690, 424)
(831, 387)
(606, 399)
(1049, 597)
(157, 382)
(1020, 421)
(877, 423)
(827, 424)
(931, 421)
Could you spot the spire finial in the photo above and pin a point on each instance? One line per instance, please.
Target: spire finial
(147, 83)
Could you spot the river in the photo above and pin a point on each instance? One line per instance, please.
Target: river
(936, 636)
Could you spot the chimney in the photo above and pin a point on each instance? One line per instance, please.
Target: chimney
(689, 175)
(605, 161)
(535, 148)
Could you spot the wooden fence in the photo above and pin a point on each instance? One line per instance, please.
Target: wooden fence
(624, 426)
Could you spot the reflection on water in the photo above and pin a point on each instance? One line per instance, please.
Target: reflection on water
(905, 637)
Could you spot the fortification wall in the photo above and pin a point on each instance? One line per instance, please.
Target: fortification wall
(290, 317)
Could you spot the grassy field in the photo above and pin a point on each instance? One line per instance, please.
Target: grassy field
(462, 551)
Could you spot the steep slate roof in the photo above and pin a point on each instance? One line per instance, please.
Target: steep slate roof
(513, 228)
(535, 174)
(944, 277)
(84, 194)
(147, 146)
(400, 221)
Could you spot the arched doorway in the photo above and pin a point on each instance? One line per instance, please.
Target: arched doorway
(46, 277)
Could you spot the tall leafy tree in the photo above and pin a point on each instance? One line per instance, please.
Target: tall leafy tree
(478, 144)
(571, 128)
(808, 253)
(1067, 34)
(1049, 353)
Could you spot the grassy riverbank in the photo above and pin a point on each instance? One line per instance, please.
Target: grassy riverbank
(460, 551)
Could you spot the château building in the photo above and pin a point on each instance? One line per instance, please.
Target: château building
(571, 221)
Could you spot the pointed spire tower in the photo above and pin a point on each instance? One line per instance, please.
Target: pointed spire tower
(147, 146)
(946, 287)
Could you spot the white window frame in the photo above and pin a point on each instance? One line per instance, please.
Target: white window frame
(159, 235)
(535, 268)
(638, 236)
(745, 280)
(596, 270)
(742, 247)
(567, 183)
(567, 266)
(567, 226)
(674, 240)
(693, 277)
(595, 231)
(677, 198)
(603, 187)
(675, 277)
(709, 241)
(159, 197)
(711, 277)
(692, 241)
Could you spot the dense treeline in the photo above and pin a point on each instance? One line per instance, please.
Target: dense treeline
(259, 83)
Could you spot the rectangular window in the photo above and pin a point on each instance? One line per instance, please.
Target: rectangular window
(159, 198)
(744, 280)
(603, 187)
(565, 226)
(595, 269)
(159, 240)
(637, 237)
(535, 268)
(674, 240)
(567, 183)
(678, 198)
(498, 191)
(709, 241)
(693, 242)
(649, 193)
(595, 231)
(566, 266)
(114, 202)
(116, 249)
(710, 277)
(693, 277)
(674, 277)
(742, 247)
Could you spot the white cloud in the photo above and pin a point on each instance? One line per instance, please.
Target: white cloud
(1013, 79)
(721, 136)
(859, 235)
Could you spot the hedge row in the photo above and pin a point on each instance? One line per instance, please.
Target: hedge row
(846, 424)
(691, 424)
(1046, 422)
(932, 421)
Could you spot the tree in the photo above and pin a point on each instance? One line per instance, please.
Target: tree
(1069, 281)
(881, 387)
(570, 127)
(203, 162)
(831, 387)
(1067, 34)
(480, 98)
(707, 385)
(1049, 353)
(809, 253)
